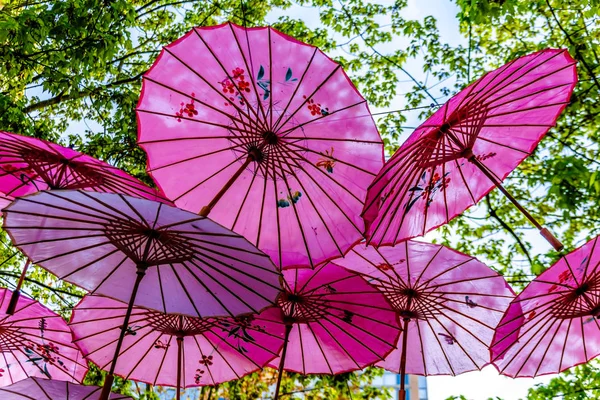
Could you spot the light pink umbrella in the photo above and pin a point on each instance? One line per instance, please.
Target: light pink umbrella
(468, 147)
(281, 144)
(335, 322)
(174, 350)
(553, 324)
(45, 389)
(113, 244)
(450, 304)
(28, 165)
(36, 342)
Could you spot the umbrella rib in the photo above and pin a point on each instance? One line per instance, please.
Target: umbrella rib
(427, 266)
(358, 366)
(202, 357)
(585, 271)
(329, 139)
(466, 260)
(442, 348)
(194, 187)
(337, 68)
(162, 361)
(571, 271)
(131, 345)
(285, 133)
(250, 186)
(71, 252)
(458, 167)
(111, 217)
(371, 334)
(250, 69)
(538, 343)
(289, 191)
(262, 209)
(221, 150)
(206, 287)
(398, 197)
(145, 354)
(232, 80)
(316, 209)
(310, 328)
(289, 103)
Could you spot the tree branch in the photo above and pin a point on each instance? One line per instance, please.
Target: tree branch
(78, 95)
(507, 227)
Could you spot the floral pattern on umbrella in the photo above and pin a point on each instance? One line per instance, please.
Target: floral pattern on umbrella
(468, 147)
(553, 323)
(36, 342)
(281, 143)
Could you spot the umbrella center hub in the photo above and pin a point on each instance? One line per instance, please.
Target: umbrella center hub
(412, 303)
(579, 302)
(144, 245)
(582, 289)
(179, 325)
(58, 172)
(270, 137)
(301, 309)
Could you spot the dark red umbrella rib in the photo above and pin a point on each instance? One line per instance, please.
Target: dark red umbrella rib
(196, 186)
(285, 133)
(337, 160)
(293, 96)
(293, 204)
(318, 342)
(339, 344)
(315, 208)
(255, 116)
(577, 283)
(250, 67)
(587, 264)
(465, 352)
(197, 157)
(548, 348)
(439, 343)
(506, 80)
(239, 211)
(324, 192)
(547, 331)
(450, 269)
(525, 96)
(213, 108)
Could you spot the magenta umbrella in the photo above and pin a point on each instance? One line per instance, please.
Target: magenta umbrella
(45, 389)
(468, 147)
(450, 304)
(553, 324)
(335, 322)
(282, 145)
(174, 350)
(36, 342)
(112, 244)
(28, 165)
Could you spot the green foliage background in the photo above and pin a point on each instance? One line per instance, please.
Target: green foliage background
(72, 61)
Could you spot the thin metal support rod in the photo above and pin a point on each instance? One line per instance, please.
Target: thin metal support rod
(402, 392)
(288, 329)
(105, 395)
(179, 364)
(207, 208)
(12, 305)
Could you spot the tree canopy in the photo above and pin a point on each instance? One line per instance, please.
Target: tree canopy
(73, 63)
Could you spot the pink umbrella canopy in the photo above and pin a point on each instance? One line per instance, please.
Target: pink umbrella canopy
(468, 147)
(553, 325)
(281, 144)
(450, 304)
(336, 322)
(28, 165)
(117, 246)
(36, 342)
(45, 389)
(158, 347)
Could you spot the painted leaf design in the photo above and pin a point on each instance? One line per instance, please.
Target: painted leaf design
(261, 73)
(288, 74)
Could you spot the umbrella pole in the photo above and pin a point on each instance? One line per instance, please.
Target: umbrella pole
(179, 362)
(288, 329)
(207, 208)
(558, 246)
(402, 392)
(105, 395)
(12, 305)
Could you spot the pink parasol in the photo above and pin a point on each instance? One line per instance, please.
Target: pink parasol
(173, 350)
(282, 145)
(450, 304)
(45, 389)
(553, 324)
(468, 147)
(36, 342)
(335, 322)
(28, 165)
(113, 244)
